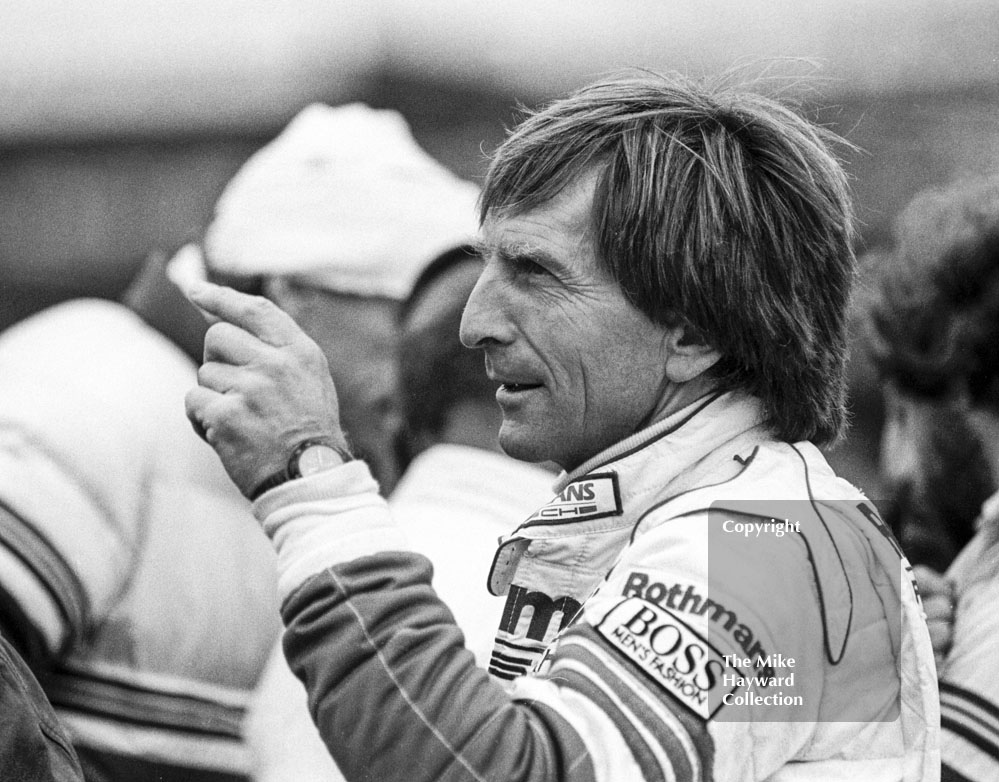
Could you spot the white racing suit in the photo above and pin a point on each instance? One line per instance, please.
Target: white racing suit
(698, 602)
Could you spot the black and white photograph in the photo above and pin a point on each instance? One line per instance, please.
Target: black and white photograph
(438, 390)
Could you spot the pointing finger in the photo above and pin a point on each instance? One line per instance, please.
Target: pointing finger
(255, 314)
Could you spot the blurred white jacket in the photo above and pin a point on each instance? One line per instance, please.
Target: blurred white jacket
(126, 546)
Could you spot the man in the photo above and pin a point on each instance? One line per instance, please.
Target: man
(458, 495)
(935, 326)
(667, 268)
(130, 573)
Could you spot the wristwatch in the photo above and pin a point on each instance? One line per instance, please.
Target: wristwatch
(310, 456)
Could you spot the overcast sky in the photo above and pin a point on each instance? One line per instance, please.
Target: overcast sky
(89, 66)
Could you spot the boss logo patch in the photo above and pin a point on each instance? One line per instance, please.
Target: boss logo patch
(669, 651)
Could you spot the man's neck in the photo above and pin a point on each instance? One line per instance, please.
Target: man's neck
(679, 396)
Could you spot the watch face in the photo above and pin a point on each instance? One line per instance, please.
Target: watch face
(317, 458)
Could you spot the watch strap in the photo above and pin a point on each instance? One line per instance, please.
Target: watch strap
(290, 471)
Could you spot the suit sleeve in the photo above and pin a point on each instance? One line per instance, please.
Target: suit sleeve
(395, 693)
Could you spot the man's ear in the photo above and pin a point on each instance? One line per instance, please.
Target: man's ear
(688, 354)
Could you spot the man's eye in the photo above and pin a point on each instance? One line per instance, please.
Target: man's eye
(528, 267)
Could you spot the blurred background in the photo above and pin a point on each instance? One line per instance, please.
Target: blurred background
(122, 120)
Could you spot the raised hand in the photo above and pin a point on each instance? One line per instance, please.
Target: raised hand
(264, 386)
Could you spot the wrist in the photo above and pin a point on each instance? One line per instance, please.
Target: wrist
(312, 455)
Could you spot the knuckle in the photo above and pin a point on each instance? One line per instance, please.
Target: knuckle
(312, 355)
(259, 306)
(252, 388)
(218, 336)
(215, 333)
(272, 364)
(225, 415)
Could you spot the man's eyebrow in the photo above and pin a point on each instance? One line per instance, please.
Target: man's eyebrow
(522, 252)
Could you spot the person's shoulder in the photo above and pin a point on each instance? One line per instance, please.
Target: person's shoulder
(783, 524)
(758, 480)
(91, 344)
(72, 315)
(88, 331)
(484, 478)
(94, 383)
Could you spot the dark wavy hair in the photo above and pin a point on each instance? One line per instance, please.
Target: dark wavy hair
(934, 317)
(715, 208)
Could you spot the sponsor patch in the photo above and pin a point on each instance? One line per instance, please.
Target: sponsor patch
(591, 497)
(510, 660)
(684, 598)
(532, 622)
(533, 615)
(671, 653)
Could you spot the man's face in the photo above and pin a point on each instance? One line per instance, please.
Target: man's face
(358, 336)
(581, 367)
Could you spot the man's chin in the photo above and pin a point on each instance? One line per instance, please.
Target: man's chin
(518, 445)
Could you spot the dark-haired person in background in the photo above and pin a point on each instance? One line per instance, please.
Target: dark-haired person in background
(931, 462)
(935, 329)
(460, 493)
(663, 303)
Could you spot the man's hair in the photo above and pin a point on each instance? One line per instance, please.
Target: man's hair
(436, 371)
(715, 208)
(934, 316)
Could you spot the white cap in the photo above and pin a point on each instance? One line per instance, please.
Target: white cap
(343, 199)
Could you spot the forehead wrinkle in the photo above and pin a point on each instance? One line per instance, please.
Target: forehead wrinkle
(519, 250)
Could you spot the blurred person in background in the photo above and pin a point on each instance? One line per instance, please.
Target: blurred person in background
(931, 463)
(935, 328)
(129, 578)
(130, 573)
(664, 302)
(338, 216)
(459, 494)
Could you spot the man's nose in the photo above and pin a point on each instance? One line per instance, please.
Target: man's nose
(485, 319)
